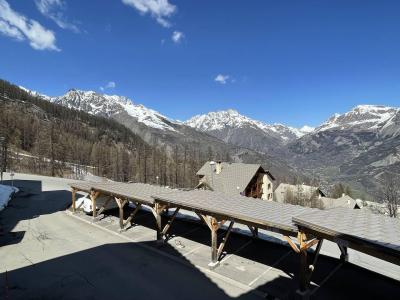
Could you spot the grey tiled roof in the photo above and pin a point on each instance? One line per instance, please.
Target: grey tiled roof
(241, 208)
(344, 201)
(353, 224)
(233, 179)
(133, 191)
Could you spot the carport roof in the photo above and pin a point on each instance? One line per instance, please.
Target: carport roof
(354, 225)
(268, 214)
(132, 191)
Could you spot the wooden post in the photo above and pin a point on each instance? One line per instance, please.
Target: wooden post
(304, 270)
(166, 227)
(121, 216)
(73, 200)
(214, 242)
(104, 206)
(254, 231)
(93, 196)
(158, 222)
(121, 203)
(344, 255)
(224, 240)
(132, 215)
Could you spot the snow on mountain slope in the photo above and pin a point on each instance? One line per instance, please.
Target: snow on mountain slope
(362, 117)
(220, 120)
(109, 105)
(34, 93)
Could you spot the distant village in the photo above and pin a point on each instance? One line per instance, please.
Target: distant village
(252, 180)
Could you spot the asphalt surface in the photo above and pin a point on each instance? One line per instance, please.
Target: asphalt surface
(46, 253)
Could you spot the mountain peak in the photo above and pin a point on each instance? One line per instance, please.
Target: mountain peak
(232, 111)
(361, 117)
(231, 119)
(109, 105)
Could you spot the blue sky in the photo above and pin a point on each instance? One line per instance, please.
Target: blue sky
(293, 62)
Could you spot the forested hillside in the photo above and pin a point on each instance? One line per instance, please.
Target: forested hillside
(46, 138)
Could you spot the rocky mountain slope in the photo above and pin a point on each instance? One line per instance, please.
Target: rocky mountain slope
(232, 127)
(357, 147)
(163, 132)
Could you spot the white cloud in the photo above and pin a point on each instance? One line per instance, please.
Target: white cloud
(19, 27)
(161, 10)
(54, 9)
(109, 85)
(10, 31)
(222, 79)
(177, 36)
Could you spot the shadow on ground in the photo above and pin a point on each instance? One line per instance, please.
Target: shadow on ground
(29, 203)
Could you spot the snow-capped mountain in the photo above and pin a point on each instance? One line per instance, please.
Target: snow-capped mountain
(221, 120)
(361, 117)
(234, 128)
(109, 106)
(34, 93)
(356, 147)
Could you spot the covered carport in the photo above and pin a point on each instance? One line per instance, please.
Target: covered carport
(137, 193)
(372, 234)
(216, 209)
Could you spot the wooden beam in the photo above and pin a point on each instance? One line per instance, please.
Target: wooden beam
(221, 223)
(309, 244)
(166, 227)
(206, 220)
(293, 245)
(254, 231)
(316, 254)
(80, 205)
(131, 216)
(104, 206)
(222, 245)
(73, 200)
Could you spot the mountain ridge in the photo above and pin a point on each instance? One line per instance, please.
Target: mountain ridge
(356, 147)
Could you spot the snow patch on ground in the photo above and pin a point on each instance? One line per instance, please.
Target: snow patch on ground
(6, 193)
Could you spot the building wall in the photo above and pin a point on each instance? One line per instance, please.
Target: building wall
(267, 188)
(280, 193)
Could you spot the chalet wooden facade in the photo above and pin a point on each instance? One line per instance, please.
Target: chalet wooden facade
(250, 180)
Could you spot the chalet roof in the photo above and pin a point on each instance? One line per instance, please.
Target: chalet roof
(304, 188)
(344, 201)
(233, 179)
